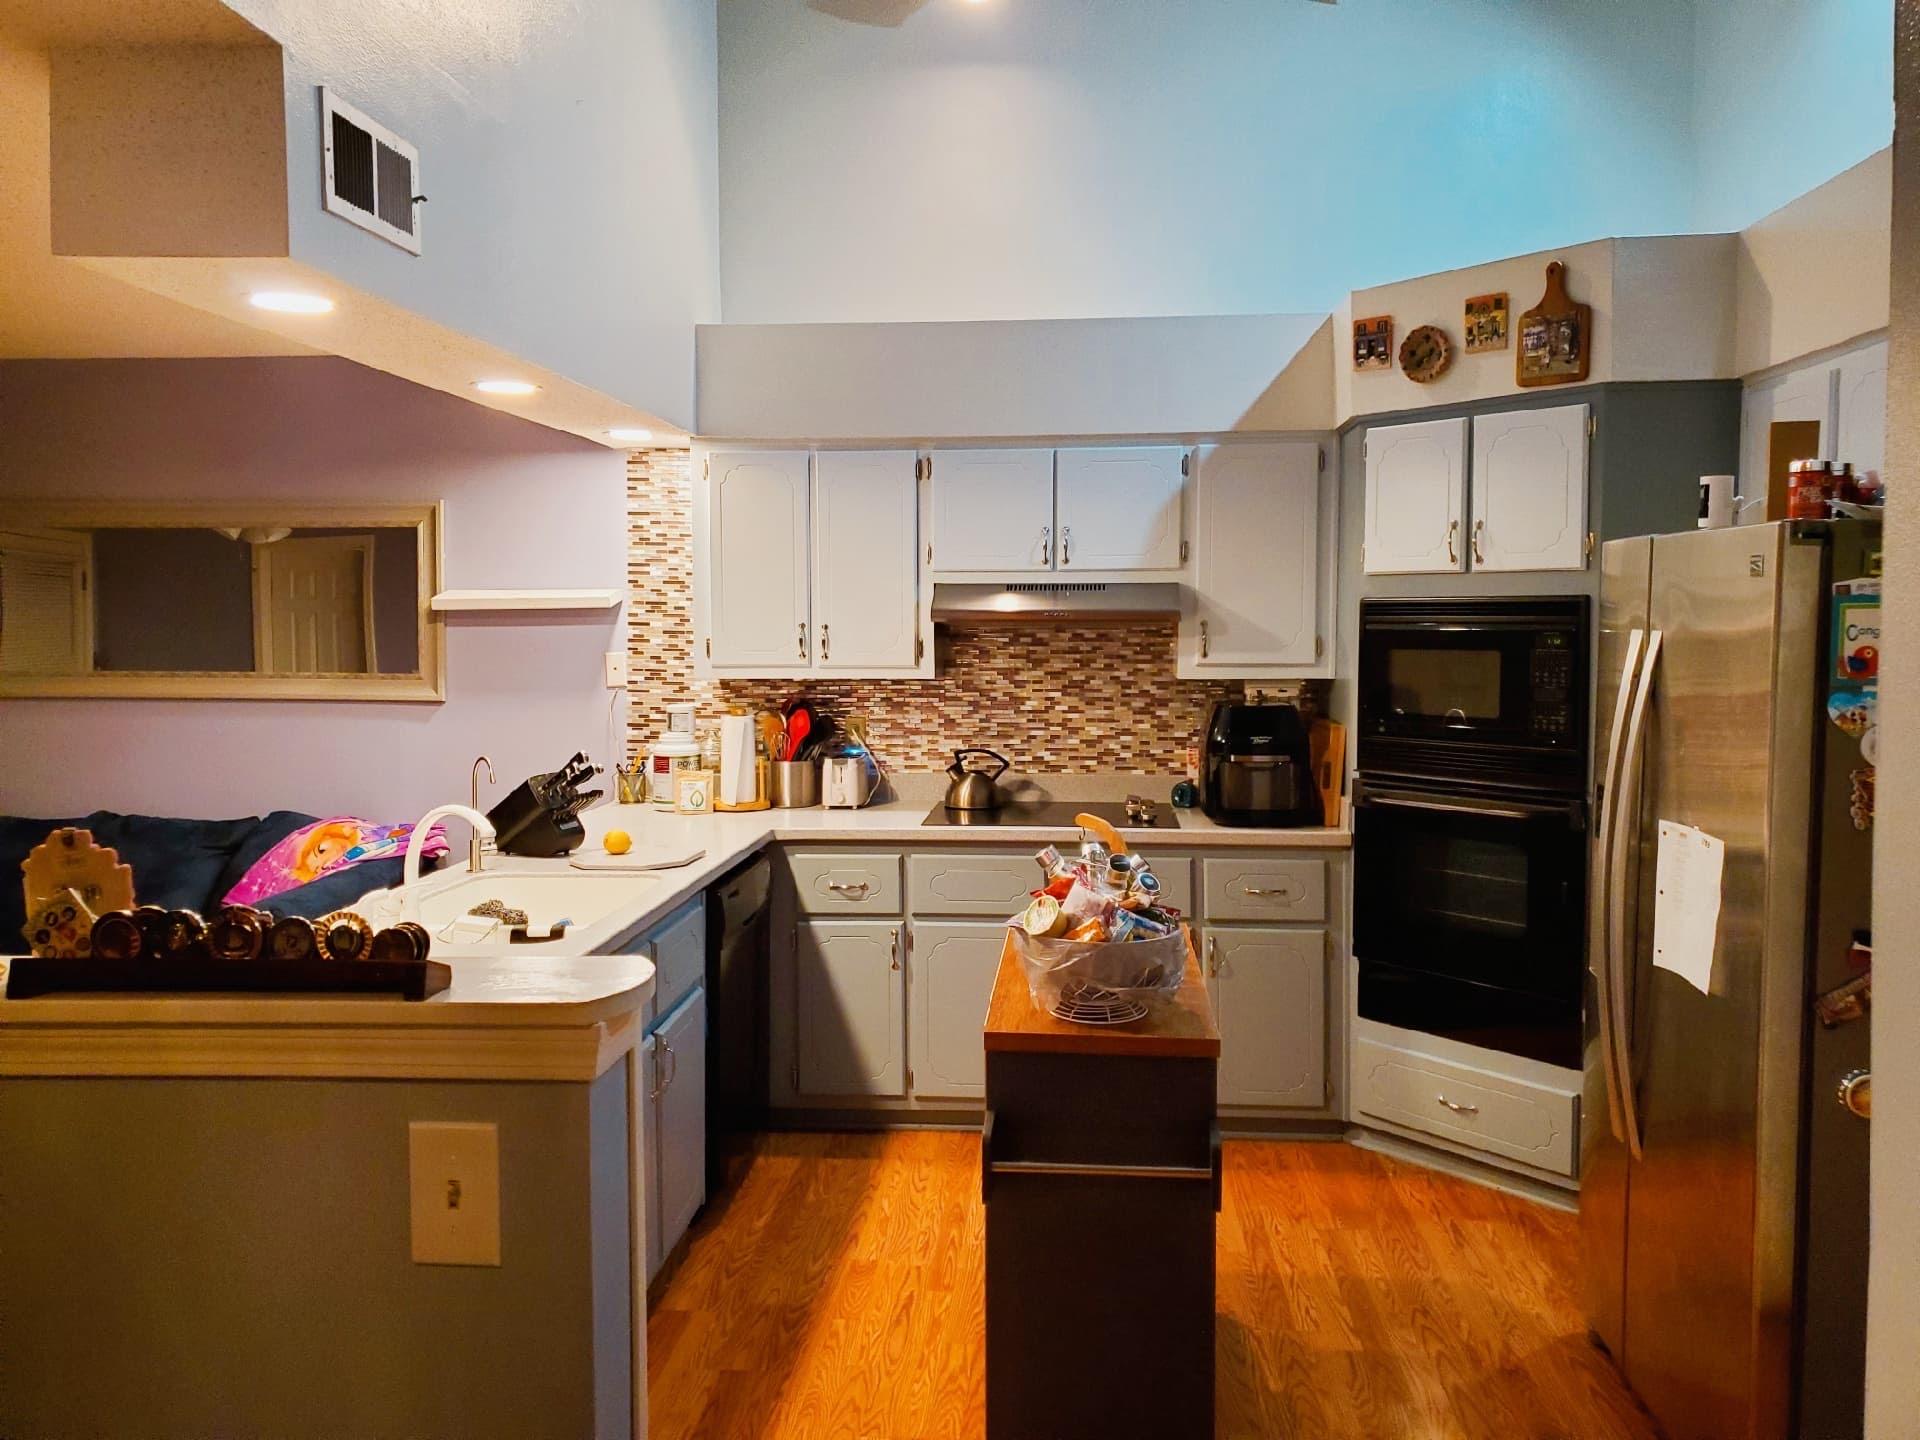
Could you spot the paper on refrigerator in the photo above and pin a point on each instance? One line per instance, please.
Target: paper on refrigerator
(1686, 906)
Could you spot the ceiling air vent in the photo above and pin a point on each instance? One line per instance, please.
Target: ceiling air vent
(373, 176)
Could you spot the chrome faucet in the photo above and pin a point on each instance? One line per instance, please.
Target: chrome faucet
(473, 845)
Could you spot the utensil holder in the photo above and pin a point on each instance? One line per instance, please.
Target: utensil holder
(796, 784)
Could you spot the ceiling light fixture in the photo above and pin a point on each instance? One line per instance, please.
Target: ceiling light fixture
(505, 387)
(632, 434)
(290, 302)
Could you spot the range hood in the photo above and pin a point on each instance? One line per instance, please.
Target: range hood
(1045, 602)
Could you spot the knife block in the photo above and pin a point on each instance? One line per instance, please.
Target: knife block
(525, 822)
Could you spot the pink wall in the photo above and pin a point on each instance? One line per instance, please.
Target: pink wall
(524, 506)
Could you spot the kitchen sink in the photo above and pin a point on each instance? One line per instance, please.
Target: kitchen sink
(581, 900)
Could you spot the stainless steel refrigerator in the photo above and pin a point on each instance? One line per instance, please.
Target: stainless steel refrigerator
(1724, 1184)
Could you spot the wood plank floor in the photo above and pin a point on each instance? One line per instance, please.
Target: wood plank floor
(835, 1293)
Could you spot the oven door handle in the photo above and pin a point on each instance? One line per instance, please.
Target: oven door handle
(1458, 807)
(1602, 945)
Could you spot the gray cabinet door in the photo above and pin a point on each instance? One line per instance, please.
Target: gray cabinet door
(680, 1116)
(650, 1156)
(954, 963)
(1269, 991)
(850, 1008)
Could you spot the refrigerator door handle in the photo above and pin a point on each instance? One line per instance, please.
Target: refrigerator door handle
(1603, 869)
(1626, 825)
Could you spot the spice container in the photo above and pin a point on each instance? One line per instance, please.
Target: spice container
(1809, 489)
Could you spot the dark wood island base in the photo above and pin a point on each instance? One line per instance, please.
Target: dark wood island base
(1100, 1169)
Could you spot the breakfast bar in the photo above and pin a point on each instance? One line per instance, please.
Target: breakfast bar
(1100, 1170)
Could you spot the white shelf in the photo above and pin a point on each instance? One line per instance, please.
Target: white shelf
(526, 600)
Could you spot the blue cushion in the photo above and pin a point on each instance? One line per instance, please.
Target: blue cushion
(335, 891)
(272, 829)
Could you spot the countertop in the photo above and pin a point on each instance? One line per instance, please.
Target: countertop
(1178, 1026)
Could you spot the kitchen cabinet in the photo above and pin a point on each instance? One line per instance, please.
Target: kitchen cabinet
(680, 1117)
(1860, 410)
(850, 1002)
(866, 553)
(1119, 508)
(1530, 490)
(1270, 1003)
(757, 563)
(953, 964)
(649, 1157)
(1258, 592)
(992, 510)
(1416, 486)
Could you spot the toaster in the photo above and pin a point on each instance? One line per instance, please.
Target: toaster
(848, 781)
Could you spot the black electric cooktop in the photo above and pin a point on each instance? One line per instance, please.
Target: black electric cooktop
(1050, 814)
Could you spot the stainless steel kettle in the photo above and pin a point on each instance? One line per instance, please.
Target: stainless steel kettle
(970, 789)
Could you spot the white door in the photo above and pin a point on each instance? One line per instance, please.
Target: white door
(1416, 498)
(1860, 436)
(757, 613)
(1530, 490)
(1270, 1002)
(993, 510)
(954, 963)
(1256, 558)
(649, 1179)
(680, 1071)
(866, 552)
(851, 1033)
(313, 606)
(1119, 509)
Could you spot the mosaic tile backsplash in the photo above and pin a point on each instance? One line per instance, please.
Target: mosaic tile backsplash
(1053, 699)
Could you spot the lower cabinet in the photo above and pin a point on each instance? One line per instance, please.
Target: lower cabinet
(1269, 991)
(954, 964)
(680, 1117)
(850, 1036)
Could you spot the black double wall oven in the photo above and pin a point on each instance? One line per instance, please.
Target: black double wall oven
(1470, 835)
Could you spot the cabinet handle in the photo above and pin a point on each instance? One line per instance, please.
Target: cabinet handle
(663, 1083)
(1046, 545)
(1453, 529)
(803, 639)
(1203, 639)
(856, 891)
(1478, 526)
(826, 632)
(1213, 955)
(1456, 1108)
(894, 963)
(1278, 892)
(1066, 545)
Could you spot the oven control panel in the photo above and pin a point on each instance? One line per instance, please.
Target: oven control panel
(1552, 688)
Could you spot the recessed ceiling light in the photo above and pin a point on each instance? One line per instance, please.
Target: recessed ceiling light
(505, 387)
(290, 302)
(632, 434)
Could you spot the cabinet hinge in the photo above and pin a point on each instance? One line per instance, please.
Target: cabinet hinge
(1590, 544)
(919, 649)
(1183, 552)
(706, 469)
(1323, 458)
(1186, 463)
(709, 647)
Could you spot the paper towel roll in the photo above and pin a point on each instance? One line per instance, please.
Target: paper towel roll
(737, 780)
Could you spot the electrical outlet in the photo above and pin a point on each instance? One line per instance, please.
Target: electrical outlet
(455, 1170)
(616, 669)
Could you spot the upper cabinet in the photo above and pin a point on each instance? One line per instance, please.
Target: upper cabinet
(1860, 409)
(1528, 496)
(1258, 597)
(1416, 498)
(811, 564)
(1530, 490)
(1119, 509)
(1833, 409)
(992, 510)
(1107, 510)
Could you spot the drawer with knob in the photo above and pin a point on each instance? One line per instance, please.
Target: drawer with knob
(829, 882)
(1269, 888)
(1500, 1114)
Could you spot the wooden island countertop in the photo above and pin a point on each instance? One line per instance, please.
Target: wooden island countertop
(1177, 1026)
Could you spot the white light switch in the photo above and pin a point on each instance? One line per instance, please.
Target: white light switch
(456, 1192)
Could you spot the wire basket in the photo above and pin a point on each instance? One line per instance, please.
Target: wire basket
(1100, 982)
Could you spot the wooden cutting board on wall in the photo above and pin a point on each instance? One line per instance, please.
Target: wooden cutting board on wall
(1556, 337)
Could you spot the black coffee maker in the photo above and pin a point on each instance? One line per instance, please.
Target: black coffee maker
(1257, 768)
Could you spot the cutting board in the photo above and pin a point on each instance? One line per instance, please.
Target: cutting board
(636, 863)
(1556, 336)
(1327, 749)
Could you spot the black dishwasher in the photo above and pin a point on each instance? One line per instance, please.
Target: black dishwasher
(736, 1012)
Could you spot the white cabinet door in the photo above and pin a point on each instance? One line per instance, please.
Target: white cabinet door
(1270, 1002)
(1800, 398)
(649, 1178)
(954, 963)
(757, 559)
(680, 1113)
(851, 1023)
(993, 510)
(1119, 509)
(1860, 437)
(866, 552)
(1530, 490)
(1416, 498)
(1256, 558)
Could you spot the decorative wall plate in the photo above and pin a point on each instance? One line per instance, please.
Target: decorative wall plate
(1485, 323)
(1426, 353)
(1373, 343)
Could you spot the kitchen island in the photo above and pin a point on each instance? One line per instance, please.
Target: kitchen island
(1100, 1169)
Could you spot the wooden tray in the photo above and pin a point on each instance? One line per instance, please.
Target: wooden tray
(32, 975)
